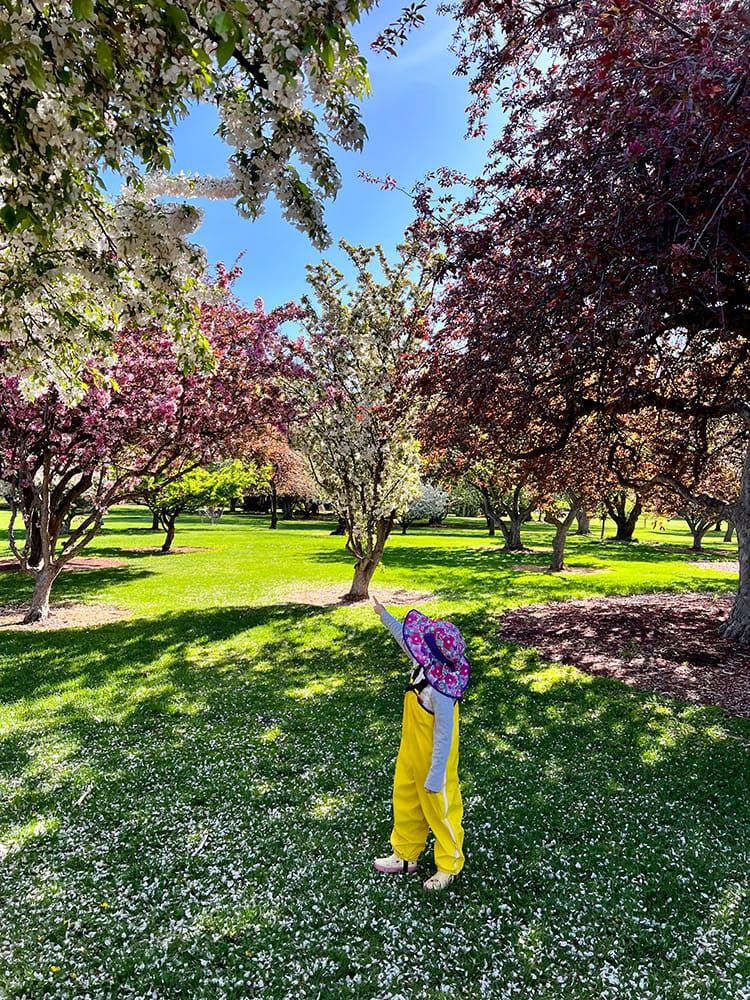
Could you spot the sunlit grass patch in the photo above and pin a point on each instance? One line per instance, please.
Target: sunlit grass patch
(191, 798)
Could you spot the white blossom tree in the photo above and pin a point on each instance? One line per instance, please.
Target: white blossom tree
(357, 395)
(431, 505)
(94, 85)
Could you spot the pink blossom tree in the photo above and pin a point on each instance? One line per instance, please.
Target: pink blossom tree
(150, 418)
(289, 476)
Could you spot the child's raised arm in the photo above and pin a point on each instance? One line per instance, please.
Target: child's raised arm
(394, 626)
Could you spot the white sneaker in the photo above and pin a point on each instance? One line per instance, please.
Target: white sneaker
(394, 865)
(440, 880)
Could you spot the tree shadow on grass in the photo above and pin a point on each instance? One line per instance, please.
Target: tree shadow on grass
(236, 756)
(676, 551)
(473, 574)
(71, 585)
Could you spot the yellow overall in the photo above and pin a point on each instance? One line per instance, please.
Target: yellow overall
(415, 810)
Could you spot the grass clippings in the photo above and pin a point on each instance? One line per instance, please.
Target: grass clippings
(731, 566)
(567, 571)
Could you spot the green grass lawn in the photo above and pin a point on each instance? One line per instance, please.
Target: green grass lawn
(191, 798)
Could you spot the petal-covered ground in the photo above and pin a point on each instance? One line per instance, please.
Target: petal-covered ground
(667, 643)
(191, 797)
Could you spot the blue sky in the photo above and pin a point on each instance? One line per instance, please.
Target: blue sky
(415, 120)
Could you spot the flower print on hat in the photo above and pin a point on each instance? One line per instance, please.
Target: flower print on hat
(440, 649)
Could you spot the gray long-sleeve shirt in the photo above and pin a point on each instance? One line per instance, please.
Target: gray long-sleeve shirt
(441, 706)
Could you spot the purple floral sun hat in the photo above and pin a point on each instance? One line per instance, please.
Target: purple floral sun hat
(439, 648)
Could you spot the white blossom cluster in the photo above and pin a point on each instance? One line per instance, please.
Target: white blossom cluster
(92, 84)
(432, 503)
(125, 264)
(358, 401)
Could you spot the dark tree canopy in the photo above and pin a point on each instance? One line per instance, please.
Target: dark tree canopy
(602, 262)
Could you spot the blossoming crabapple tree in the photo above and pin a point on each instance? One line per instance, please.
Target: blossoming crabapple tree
(466, 449)
(356, 394)
(431, 505)
(289, 478)
(698, 478)
(94, 85)
(150, 419)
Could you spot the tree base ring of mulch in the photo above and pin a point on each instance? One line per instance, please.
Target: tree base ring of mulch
(568, 571)
(332, 596)
(664, 643)
(79, 562)
(731, 566)
(175, 550)
(507, 552)
(64, 615)
(690, 551)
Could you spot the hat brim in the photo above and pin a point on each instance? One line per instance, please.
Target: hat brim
(415, 624)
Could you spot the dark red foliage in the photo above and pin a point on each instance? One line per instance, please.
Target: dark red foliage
(602, 262)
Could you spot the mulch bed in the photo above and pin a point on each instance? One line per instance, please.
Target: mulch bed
(688, 550)
(333, 596)
(64, 615)
(506, 552)
(176, 549)
(80, 562)
(666, 643)
(732, 566)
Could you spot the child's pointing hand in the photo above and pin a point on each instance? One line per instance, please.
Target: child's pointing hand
(377, 606)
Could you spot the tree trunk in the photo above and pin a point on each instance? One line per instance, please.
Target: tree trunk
(287, 513)
(39, 609)
(584, 523)
(562, 527)
(626, 523)
(729, 535)
(513, 541)
(274, 504)
(340, 528)
(367, 564)
(698, 532)
(232, 505)
(511, 533)
(490, 526)
(169, 527)
(363, 572)
(737, 626)
(35, 531)
(403, 527)
(557, 562)
(625, 529)
(155, 525)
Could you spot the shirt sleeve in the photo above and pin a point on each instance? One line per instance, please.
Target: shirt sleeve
(442, 737)
(395, 627)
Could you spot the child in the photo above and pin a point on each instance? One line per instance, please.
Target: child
(426, 794)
